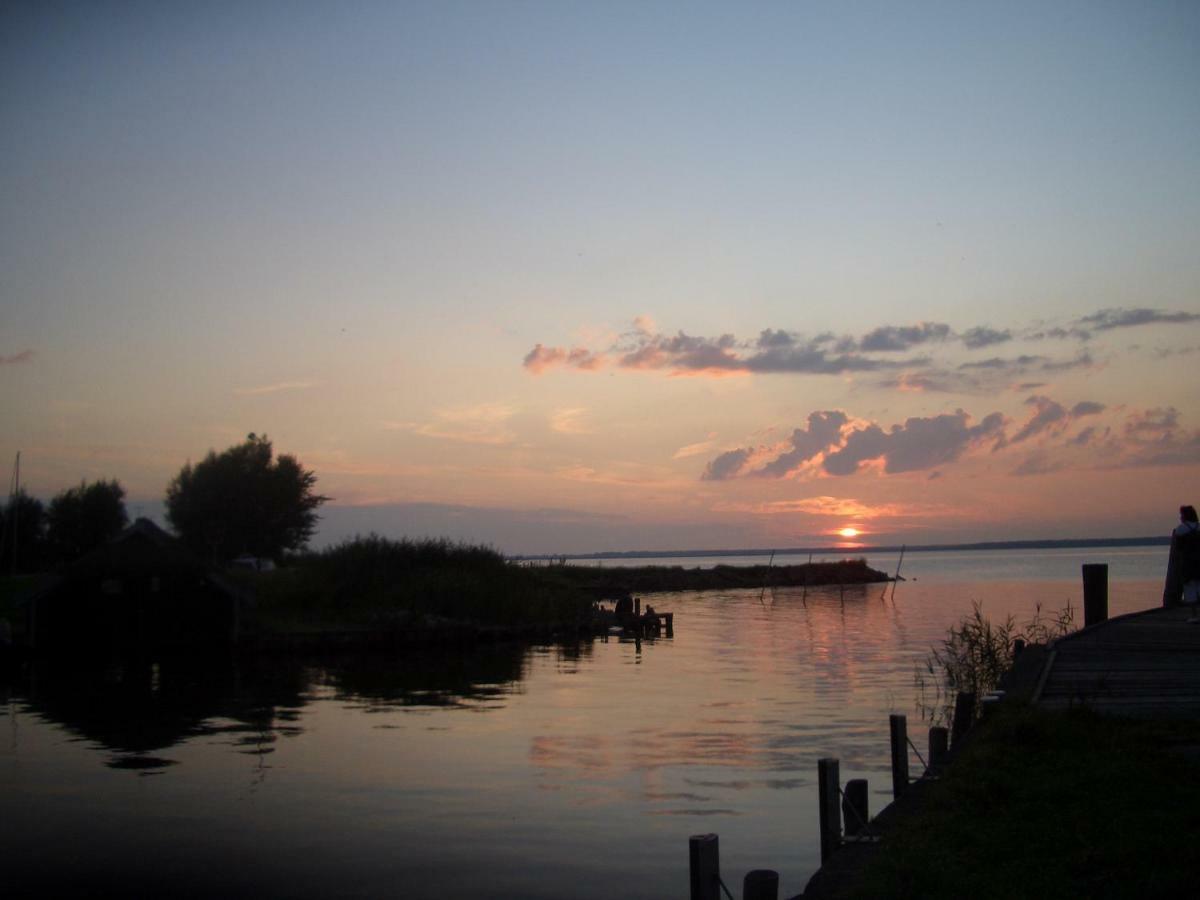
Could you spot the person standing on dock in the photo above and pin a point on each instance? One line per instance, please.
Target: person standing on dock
(1183, 565)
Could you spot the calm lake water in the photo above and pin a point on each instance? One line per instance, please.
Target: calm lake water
(510, 772)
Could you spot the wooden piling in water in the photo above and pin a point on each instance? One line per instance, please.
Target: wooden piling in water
(761, 884)
(1095, 593)
(898, 725)
(705, 867)
(854, 807)
(899, 563)
(827, 800)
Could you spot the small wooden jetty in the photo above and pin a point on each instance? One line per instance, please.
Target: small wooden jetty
(627, 615)
(1144, 664)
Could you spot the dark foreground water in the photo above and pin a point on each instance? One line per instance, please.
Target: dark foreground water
(510, 772)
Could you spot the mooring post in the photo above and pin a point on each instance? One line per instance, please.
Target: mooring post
(854, 806)
(990, 703)
(899, 729)
(637, 606)
(964, 716)
(827, 799)
(939, 749)
(761, 884)
(704, 863)
(1095, 593)
(1018, 648)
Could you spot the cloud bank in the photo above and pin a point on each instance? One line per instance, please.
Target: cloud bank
(905, 351)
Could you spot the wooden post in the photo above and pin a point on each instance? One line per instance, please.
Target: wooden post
(964, 716)
(1018, 648)
(854, 806)
(939, 749)
(761, 884)
(637, 606)
(1095, 593)
(670, 624)
(827, 799)
(899, 729)
(705, 866)
(989, 704)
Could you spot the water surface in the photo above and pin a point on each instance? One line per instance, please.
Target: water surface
(509, 772)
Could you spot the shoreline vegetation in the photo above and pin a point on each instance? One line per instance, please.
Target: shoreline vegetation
(374, 592)
(436, 589)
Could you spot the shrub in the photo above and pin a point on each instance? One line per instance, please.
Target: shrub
(974, 656)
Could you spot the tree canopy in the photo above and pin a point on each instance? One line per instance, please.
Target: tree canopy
(241, 501)
(22, 534)
(84, 517)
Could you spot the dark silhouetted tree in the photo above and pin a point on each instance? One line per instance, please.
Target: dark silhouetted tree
(240, 501)
(23, 534)
(82, 518)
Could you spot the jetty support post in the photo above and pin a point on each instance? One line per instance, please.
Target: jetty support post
(964, 716)
(761, 884)
(854, 806)
(705, 866)
(827, 800)
(939, 749)
(899, 729)
(1095, 593)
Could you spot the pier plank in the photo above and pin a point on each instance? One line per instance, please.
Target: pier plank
(1143, 664)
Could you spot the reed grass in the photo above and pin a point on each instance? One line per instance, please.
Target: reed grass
(377, 581)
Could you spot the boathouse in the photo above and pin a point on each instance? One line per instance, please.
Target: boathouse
(142, 590)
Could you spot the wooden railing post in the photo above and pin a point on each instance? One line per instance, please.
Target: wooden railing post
(899, 729)
(1095, 593)
(705, 866)
(964, 716)
(939, 749)
(761, 884)
(827, 799)
(854, 806)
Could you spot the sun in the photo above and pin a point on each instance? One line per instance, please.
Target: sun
(849, 532)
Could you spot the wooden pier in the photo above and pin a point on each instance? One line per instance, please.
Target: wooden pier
(1144, 664)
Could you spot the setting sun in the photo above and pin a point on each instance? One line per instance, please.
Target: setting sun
(849, 532)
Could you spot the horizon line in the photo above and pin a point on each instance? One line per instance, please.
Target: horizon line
(1029, 544)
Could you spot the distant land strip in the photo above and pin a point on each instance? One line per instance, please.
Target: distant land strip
(1064, 544)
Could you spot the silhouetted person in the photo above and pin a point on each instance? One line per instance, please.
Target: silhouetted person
(624, 609)
(1183, 565)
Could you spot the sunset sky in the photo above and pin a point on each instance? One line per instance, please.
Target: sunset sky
(568, 277)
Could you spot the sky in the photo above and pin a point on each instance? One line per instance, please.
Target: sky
(571, 277)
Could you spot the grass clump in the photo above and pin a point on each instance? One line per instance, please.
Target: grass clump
(1044, 804)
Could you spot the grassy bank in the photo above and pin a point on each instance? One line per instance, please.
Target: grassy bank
(377, 582)
(612, 580)
(1053, 805)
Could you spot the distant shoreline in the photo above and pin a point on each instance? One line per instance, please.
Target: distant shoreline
(1064, 544)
